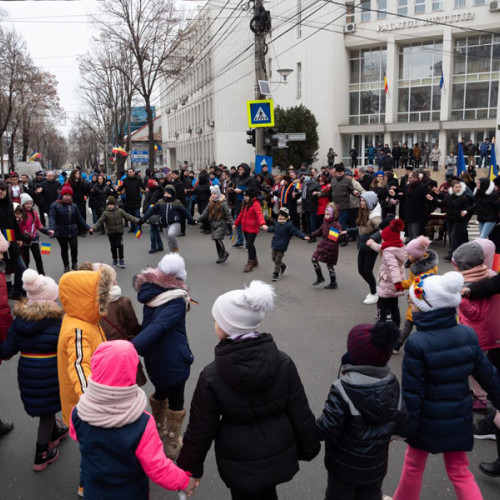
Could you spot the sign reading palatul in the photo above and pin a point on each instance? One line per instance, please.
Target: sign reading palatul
(435, 19)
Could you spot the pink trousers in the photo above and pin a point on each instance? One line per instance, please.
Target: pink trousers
(457, 468)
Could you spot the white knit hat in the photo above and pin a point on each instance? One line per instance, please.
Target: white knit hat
(25, 198)
(437, 292)
(39, 288)
(242, 311)
(173, 264)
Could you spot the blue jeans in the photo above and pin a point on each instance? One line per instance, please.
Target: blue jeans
(343, 218)
(484, 157)
(155, 238)
(485, 229)
(135, 212)
(312, 221)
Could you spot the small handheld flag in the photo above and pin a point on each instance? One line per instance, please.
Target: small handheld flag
(493, 162)
(45, 248)
(9, 234)
(386, 85)
(441, 82)
(333, 234)
(138, 233)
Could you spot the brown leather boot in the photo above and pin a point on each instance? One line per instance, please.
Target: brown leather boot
(175, 250)
(173, 440)
(159, 411)
(248, 267)
(255, 263)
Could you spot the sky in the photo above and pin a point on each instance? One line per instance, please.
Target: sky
(56, 33)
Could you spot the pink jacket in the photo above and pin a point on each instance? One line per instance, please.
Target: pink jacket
(115, 364)
(391, 270)
(483, 315)
(31, 224)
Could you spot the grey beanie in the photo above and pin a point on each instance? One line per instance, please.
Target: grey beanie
(214, 190)
(371, 199)
(468, 255)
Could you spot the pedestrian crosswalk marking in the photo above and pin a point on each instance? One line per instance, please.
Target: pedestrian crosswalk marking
(260, 116)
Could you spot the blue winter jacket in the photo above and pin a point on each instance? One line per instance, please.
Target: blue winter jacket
(283, 234)
(65, 220)
(439, 357)
(163, 342)
(35, 333)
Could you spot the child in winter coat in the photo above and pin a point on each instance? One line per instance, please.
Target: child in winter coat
(30, 225)
(421, 261)
(251, 220)
(283, 231)
(440, 414)
(257, 412)
(119, 443)
(112, 219)
(481, 314)
(363, 410)
(218, 214)
(164, 344)
(328, 248)
(35, 333)
(391, 272)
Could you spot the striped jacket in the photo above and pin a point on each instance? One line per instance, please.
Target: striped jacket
(84, 296)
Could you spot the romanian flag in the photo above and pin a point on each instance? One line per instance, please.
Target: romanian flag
(35, 156)
(386, 85)
(45, 248)
(9, 234)
(333, 234)
(493, 162)
(119, 182)
(138, 233)
(119, 150)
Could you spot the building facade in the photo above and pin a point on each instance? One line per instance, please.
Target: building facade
(372, 72)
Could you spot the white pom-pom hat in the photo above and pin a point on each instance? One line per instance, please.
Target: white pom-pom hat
(438, 291)
(173, 264)
(39, 288)
(241, 311)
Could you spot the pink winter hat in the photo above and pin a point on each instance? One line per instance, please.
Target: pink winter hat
(417, 247)
(39, 288)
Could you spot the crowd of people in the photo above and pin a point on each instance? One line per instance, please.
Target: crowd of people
(82, 357)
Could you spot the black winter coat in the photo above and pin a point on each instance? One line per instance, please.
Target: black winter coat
(439, 357)
(283, 233)
(8, 221)
(180, 188)
(251, 401)
(49, 194)
(65, 220)
(454, 206)
(80, 190)
(487, 205)
(132, 187)
(363, 410)
(415, 202)
(169, 212)
(309, 201)
(98, 195)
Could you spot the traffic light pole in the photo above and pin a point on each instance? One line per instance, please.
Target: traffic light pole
(260, 74)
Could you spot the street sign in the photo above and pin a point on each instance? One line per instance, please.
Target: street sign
(261, 160)
(296, 137)
(282, 144)
(280, 137)
(137, 156)
(260, 113)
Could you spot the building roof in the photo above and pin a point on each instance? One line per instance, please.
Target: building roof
(141, 134)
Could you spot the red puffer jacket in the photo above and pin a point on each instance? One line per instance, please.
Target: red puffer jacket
(5, 315)
(251, 218)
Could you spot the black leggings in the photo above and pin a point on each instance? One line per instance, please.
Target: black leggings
(45, 428)
(71, 243)
(221, 249)
(250, 239)
(174, 393)
(116, 244)
(35, 250)
(389, 305)
(366, 263)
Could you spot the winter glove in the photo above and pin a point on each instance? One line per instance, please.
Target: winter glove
(399, 286)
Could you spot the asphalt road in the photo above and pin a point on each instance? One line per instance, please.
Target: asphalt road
(309, 323)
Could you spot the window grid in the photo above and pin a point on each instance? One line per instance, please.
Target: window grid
(381, 9)
(365, 10)
(402, 7)
(419, 7)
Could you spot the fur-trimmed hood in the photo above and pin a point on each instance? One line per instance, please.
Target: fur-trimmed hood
(462, 189)
(86, 294)
(429, 261)
(156, 277)
(38, 312)
(486, 187)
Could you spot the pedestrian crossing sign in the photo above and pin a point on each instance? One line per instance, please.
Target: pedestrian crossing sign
(260, 113)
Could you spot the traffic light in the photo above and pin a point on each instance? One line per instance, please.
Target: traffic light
(251, 137)
(270, 140)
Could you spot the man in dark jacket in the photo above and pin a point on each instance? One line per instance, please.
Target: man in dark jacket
(133, 187)
(470, 152)
(342, 188)
(242, 181)
(365, 179)
(309, 196)
(47, 193)
(363, 411)
(180, 192)
(257, 412)
(415, 197)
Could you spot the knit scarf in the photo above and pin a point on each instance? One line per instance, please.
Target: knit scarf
(169, 295)
(392, 243)
(108, 406)
(475, 274)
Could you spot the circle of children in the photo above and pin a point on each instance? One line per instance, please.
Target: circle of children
(83, 358)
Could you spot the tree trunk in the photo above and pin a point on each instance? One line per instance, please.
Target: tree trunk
(151, 135)
(11, 151)
(26, 140)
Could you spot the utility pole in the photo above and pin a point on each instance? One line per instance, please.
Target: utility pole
(260, 25)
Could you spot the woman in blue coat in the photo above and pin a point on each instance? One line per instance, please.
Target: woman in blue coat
(164, 345)
(35, 333)
(439, 357)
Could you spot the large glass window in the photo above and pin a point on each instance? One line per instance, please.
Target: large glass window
(460, 4)
(437, 5)
(476, 71)
(419, 95)
(365, 10)
(349, 12)
(419, 6)
(402, 7)
(366, 89)
(479, 2)
(381, 9)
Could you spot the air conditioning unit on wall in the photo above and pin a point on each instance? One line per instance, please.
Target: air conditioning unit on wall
(349, 28)
(494, 6)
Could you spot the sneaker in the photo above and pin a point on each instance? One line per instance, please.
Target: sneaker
(275, 277)
(66, 269)
(386, 497)
(122, 264)
(485, 429)
(74, 266)
(80, 491)
(371, 298)
(283, 269)
(5, 427)
(114, 263)
(237, 245)
(44, 456)
(152, 251)
(59, 433)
